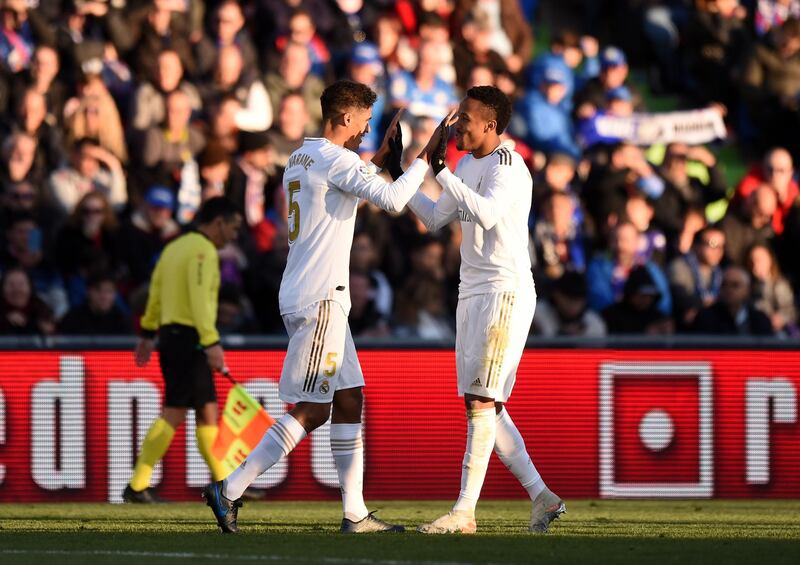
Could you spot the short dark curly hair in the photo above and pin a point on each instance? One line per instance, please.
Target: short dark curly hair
(494, 99)
(344, 95)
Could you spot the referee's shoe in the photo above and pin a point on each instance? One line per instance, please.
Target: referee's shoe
(226, 511)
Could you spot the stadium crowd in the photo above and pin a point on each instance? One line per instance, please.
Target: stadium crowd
(120, 117)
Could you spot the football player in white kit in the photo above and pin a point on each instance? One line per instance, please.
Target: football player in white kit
(490, 194)
(324, 180)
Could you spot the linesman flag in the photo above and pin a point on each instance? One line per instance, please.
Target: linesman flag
(241, 426)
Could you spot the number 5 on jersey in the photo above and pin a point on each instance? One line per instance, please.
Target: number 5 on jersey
(294, 210)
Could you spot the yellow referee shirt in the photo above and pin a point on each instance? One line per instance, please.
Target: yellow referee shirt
(184, 288)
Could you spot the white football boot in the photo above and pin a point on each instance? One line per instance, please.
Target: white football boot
(547, 507)
(454, 522)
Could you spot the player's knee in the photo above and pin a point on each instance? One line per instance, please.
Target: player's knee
(347, 405)
(311, 415)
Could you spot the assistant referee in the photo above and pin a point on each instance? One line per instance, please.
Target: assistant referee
(182, 309)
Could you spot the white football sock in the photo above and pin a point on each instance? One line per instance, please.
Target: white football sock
(348, 454)
(480, 441)
(510, 447)
(280, 439)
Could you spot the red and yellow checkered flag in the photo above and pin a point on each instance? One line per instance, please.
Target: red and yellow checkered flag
(241, 426)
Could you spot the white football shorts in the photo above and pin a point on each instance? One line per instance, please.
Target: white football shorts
(491, 331)
(321, 357)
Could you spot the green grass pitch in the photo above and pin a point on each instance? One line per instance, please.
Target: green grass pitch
(636, 532)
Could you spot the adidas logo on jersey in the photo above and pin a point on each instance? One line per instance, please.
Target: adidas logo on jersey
(477, 382)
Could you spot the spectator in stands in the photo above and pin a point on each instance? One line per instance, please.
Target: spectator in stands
(771, 292)
(303, 31)
(290, 130)
(32, 113)
(777, 171)
(366, 67)
(231, 79)
(170, 152)
(608, 186)
(94, 114)
(24, 199)
(750, 224)
(294, 75)
(22, 312)
(548, 126)
(24, 247)
(566, 312)
(228, 29)
(613, 74)
(234, 312)
(732, 313)
(87, 242)
(716, 42)
(770, 14)
(19, 162)
(423, 93)
(475, 48)
(143, 236)
(568, 51)
(222, 124)
(420, 310)
(364, 259)
(150, 99)
(638, 311)
(510, 37)
(652, 241)
(559, 239)
(607, 273)
(91, 169)
(771, 81)
(695, 277)
(150, 29)
(100, 314)
(215, 171)
(256, 189)
(21, 30)
(274, 17)
(558, 175)
(681, 191)
(365, 319)
(42, 77)
(789, 258)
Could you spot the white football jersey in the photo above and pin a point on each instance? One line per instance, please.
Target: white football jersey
(323, 183)
(491, 196)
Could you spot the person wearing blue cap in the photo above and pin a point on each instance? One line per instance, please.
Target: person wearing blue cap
(613, 74)
(146, 232)
(366, 67)
(547, 123)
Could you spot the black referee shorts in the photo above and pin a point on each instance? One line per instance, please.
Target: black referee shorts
(188, 382)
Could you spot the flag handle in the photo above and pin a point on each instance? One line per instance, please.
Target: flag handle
(227, 374)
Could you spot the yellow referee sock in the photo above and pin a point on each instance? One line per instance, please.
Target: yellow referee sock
(155, 445)
(206, 436)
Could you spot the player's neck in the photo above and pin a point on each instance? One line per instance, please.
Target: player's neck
(487, 147)
(337, 136)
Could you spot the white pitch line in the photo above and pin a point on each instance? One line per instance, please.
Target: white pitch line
(245, 557)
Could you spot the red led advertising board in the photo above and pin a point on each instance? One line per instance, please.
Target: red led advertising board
(598, 423)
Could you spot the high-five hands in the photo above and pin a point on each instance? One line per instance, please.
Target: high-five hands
(434, 151)
(384, 151)
(394, 160)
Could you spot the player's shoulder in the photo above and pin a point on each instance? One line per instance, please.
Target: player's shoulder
(505, 156)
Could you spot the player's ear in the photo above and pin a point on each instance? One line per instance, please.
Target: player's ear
(347, 118)
(491, 125)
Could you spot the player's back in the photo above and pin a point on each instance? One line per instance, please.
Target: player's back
(321, 223)
(496, 259)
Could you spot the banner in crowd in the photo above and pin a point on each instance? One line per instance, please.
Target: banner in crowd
(693, 127)
(598, 423)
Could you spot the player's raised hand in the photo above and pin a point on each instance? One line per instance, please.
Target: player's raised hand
(438, 141)
(395, 159)
(383, 151)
